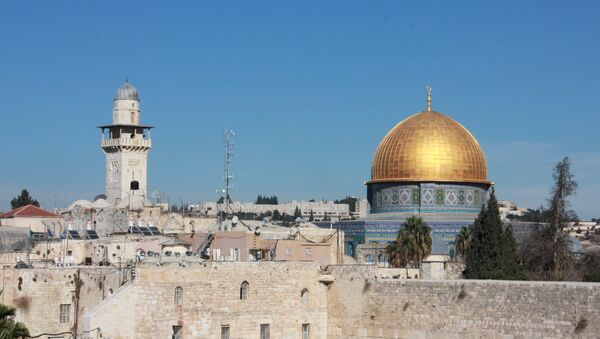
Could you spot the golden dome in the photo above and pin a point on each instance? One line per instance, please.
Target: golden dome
(429, 146)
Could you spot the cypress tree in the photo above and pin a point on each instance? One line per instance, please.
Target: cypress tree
(513, 270)
(476, 255)
(493, 251)
(23, 199)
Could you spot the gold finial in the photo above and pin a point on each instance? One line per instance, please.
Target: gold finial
(428, 98)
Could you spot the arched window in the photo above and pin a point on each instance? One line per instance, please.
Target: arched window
(244, 290)
(178, 295)
(304, 296)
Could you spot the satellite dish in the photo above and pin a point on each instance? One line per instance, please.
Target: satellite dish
(156, 194)
(100, 196)
(298, 219)
(235, 219)
(257, 230)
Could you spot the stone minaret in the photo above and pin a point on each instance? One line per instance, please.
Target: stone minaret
(126, 144)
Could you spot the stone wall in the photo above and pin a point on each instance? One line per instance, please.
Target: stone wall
(360, 306)
(211, 299)
(344, 302)
(38, 293)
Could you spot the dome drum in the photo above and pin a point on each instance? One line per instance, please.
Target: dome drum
(426, 197)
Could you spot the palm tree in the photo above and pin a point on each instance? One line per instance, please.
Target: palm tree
(9, 328)
(420, 235)
(413, 243)
(463, 241)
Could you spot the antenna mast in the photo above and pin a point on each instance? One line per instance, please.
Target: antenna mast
(228, 141)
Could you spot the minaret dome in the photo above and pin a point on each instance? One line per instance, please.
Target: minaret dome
(127, 92)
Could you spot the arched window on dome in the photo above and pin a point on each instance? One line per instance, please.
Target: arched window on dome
(244, 290)
(304, 296)
(178, 295)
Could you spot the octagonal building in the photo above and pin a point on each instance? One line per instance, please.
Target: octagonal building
(429, 166)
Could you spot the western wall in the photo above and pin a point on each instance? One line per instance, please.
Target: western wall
(342, 302)
(361, 306)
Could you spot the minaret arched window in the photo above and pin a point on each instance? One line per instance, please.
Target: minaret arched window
(304, 296)
(244, 290)
(178, 295)
(133, 117)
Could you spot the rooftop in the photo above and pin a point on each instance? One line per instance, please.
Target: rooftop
(28, 211)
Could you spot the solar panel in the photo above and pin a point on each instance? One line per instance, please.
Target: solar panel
(154, 230)
(134, 229)
(145, 231)
(74, 235)
(92, 234)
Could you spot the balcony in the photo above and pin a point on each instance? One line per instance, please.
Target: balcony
(128, 142)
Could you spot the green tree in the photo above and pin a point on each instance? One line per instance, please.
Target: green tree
(350, 201)
(272, 200)
(492, 252)
(463, 241)
(398, 252)
(511, 260)
(561, 215)
(413, 243)
(8, 327)
(297, 213)
(23, 199)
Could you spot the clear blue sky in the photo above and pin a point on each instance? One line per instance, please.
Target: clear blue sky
(309, 87)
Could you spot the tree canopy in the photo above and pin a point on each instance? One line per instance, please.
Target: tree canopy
(264, 200)
(547, 250)
(23, 199)
(8, 327)
(492, 250)
(350, 201)
(412, 245)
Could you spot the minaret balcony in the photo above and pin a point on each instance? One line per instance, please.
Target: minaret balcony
(127, 142)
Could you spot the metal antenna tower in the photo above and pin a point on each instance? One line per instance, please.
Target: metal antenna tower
(228, 177)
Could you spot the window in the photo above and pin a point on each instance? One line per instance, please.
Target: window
(305, 331)
(265, 331)
(65, 313)
(225, 332)
(178, 295)
(304, 296)
(177, 332)
(244, 290)
(308, 250)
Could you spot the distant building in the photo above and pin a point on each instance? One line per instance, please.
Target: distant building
(318, 210)
(36, 219)
(509, 208)
(271, 242)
